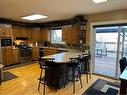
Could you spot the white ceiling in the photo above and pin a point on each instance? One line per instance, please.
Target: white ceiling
(56, 9)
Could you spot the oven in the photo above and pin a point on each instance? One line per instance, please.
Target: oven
(5, 41)
(25, 55)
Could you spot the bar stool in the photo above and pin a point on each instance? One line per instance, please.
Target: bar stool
(85, 64)
(73, 68)
(44, 63)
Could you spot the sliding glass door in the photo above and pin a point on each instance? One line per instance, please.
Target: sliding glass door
(110, 45)
(106, 50)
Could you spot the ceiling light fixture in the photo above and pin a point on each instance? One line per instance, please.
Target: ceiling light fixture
(34, 17)
(99, 1)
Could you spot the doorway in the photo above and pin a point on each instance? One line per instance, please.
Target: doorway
(106, 50)
(109, 45)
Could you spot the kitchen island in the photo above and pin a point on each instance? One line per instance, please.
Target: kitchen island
(56, 73)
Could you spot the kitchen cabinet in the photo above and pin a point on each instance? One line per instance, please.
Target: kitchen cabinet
(49, 51)
(35, 53)
(6, 57)
(5, 30)
(15, 55)
(36, 35)
(21, 32)
(71, 34)
(45, 34)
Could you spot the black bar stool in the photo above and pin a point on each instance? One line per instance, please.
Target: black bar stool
(44, 63)
(73, 72)
(84, 60)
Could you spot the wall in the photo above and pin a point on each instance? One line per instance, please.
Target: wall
(106, 16)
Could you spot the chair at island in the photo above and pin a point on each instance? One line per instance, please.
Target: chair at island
(44, 64)
(123, 64)
(84, 60)
(123, 79)
(73, 72)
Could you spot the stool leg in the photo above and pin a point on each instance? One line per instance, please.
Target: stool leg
(73, 79)
(88, 66)
(79, 76)
(40, 80)
(74, 87)
(66, 77)
(80, 80)
(86, 70)
(44, 87)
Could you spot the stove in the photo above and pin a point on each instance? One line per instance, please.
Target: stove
(25, 55)
(25, 52)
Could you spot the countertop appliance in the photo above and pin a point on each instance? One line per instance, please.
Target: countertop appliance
(5, 41)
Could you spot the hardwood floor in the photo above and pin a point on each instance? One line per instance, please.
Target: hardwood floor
(26, 83)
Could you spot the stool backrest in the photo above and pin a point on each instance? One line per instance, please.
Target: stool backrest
(45, 61)
(123, 64)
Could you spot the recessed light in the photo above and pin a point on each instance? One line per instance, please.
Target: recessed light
(34, 17)
(99, 1)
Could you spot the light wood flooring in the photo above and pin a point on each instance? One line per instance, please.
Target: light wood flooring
(26, 83)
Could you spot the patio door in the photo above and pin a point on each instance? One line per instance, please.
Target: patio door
(108, 50)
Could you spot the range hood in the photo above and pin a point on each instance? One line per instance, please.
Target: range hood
(21, 38)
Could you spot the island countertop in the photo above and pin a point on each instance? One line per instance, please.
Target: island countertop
(64, 57)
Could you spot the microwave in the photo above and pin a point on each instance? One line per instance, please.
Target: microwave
(6, 41)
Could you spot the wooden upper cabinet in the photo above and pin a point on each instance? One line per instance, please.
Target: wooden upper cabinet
(21, 32)
(64, 34)
(36, 35)
(5, 30)
(71, 34)
(44, 34)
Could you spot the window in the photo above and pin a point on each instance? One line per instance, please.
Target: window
(56, 35)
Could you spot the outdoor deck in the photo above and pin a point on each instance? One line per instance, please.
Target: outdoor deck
(106, 65)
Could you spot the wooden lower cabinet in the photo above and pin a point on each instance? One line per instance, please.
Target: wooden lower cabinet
(7, 55)
(45, 51)
(35, 52)
(15, 56)
(49, 51)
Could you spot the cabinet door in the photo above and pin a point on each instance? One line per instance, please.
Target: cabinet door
(26, 32)
(45, 34)
(17, 32)
(5, 30)
(7, 55)
(15, 56)
(64, 34)
(76, 34)
(35, 53)
(21, 32)
(8, 30)
(36, 35)
(3, 54)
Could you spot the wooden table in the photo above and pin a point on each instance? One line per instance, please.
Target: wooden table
(56, 74)
(1, 73)
(123, 85)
